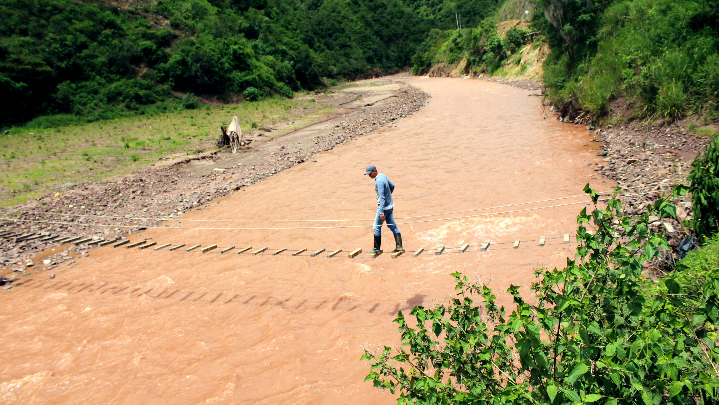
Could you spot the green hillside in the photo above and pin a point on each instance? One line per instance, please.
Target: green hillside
(69, 61)
(661, 57)
(93, 60)
(656, 59)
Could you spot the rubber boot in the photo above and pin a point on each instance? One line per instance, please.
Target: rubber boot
(398, 240)
(377, 244)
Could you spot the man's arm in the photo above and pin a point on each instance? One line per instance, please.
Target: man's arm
(381, 187)
(391, 186)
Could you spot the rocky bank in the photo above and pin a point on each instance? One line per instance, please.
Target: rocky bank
(111, 209)
(646, 162)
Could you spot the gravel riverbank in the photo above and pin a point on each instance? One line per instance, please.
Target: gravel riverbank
(646, 163)
(115, 208)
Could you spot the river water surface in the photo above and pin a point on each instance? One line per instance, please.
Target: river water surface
(481, 162)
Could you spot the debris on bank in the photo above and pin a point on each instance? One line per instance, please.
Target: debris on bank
(647, 163)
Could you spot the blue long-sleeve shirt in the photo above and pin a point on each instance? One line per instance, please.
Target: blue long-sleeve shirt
(384, 188)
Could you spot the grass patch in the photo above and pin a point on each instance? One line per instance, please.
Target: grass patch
(706, 131)
(695, 271)
(34, 161)
(522, 69)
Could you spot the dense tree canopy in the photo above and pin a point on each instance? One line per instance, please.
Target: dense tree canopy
(660, 56)
(95, 61)
(446, 14)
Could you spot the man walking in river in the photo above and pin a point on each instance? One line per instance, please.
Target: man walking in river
(383, 188)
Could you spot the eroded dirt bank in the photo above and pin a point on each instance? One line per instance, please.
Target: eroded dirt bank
(481, 162)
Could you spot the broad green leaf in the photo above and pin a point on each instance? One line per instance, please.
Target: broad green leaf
(679, 361)
(636, 347)
(437, 328)
(573, 395)
(577, 372)
(649, 251)
(680, 189)
(711, 311)
(552, 392)
(698, 319)
(610, 350)
(672, 286)
(592, 398)
(675, 388)
(669, 210)
(541, 360)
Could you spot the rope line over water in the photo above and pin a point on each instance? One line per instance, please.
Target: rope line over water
(292, 220)
(424, 194)
(298, 227)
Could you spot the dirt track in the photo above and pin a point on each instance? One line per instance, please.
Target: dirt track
(480, 162)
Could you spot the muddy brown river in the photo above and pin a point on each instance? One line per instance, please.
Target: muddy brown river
(482, 162)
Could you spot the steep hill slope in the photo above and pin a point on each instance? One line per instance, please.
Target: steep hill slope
(634, 58)
(98, 60)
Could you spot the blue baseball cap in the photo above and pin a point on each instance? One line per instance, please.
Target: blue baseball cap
(370, 169)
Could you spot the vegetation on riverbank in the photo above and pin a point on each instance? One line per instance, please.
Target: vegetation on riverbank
(660, 57)
(596, 330)
(38, 160)
(105, 60)
(482, 47)
(626, 58)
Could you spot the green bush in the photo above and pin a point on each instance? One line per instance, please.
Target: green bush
(595, 93)
(708, 78)
(285, 91)
(704, 187)
(251, 94)
(428, 50)
(696, 270)
(420, 63)
(95, 61)
(515, 38)
(671, 102)
(52, 121)
(452, 45)
(591, 333)
(495, 54)
(661, 54)
(190, 102)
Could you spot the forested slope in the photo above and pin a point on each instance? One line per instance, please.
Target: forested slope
(659, 57)
(621, 58)
(101, 59)
(93, 60)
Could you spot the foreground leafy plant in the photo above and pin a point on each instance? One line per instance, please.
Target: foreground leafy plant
(594, 335)
(704, 186)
